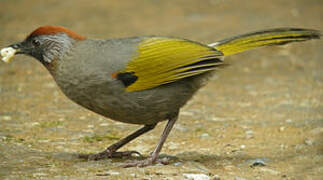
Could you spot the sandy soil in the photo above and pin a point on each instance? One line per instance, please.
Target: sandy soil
(265, 107)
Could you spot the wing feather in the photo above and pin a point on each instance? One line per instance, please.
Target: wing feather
(164, 60)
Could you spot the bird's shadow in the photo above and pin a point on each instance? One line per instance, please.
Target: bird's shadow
(181, 158)
(187, 157)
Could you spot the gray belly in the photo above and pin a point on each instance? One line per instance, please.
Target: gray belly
(142, 107)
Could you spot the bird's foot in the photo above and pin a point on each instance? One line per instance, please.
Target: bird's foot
(146, 162)
(108, 154)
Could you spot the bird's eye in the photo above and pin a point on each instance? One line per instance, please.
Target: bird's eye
(35, 42)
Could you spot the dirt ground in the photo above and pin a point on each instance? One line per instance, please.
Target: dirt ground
(259, 118)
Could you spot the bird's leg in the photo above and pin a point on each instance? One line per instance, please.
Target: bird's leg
(111, 151)
(153, 157)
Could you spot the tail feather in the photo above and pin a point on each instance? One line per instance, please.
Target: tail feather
(269, 37)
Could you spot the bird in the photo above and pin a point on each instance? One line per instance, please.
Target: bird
(137, 80)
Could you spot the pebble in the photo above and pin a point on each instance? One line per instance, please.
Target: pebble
(281, 129)
(219, 119)
(101, 119)
(43, 141)
(309, 142)
(6, 118)
(204, 136)
(258, 162)
(104, 124)
(3, 138)
(283, 146)
(114, 173)
(196, 176)
(229, 167)
(289, 121)
(249, 134)
(35, 124)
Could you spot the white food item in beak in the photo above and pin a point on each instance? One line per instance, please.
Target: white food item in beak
(7, 54)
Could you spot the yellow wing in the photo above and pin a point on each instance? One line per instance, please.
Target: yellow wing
(165, 60)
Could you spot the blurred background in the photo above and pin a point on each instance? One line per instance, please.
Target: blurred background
(266, 106)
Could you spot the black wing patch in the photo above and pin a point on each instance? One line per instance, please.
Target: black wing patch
(127, 78)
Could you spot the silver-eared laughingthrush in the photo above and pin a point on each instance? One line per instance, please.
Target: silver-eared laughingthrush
(139, 80)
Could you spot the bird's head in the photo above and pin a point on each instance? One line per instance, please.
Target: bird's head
(47, 44)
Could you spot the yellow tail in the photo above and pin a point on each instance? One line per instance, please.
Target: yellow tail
(269, 37)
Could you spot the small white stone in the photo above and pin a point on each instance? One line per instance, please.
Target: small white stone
(289, 121)
(43, 141)
(7, 118)
(204, 136)
(309, 142)
(249, 134)
(243, 146)
(35, 124)
(114, 173)
(196, 176)
(281, 129)
(104, 124)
